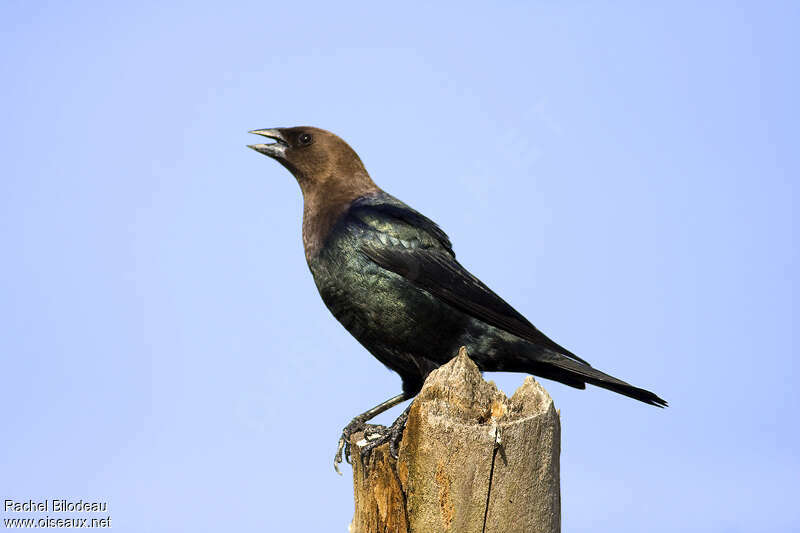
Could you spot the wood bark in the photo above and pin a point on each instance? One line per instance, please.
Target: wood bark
(471, 461)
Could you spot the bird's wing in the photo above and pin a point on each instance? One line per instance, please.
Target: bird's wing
(387, 215)
(433, 268)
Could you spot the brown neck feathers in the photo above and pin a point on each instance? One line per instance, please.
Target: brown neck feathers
(325, 202)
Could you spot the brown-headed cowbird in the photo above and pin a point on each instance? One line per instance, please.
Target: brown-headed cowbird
(390, 276)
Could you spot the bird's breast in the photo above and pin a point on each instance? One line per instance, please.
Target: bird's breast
(369, 301)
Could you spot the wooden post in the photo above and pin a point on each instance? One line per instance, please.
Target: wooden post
(471, 461)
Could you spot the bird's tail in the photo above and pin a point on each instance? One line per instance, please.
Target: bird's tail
(560, 368)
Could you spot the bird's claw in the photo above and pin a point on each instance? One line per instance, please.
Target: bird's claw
(355, 425)
(396, 433)
(381, 435)
(337, 459)
(374, 436)
(376, 439)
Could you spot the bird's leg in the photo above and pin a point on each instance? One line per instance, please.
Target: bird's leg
(396, 432)
(359, 423)
(393, 436)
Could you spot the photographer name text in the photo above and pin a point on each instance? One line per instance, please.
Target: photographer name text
(54, 506)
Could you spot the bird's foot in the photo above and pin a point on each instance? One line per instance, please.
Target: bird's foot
(381, 435)
(374, 436)
(355, 425)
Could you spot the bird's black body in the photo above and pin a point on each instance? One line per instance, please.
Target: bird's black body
(389, 275)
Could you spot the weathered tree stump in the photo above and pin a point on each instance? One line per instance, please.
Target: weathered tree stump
(471, 461)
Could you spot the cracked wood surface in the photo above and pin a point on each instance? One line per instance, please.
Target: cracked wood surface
(471, 461)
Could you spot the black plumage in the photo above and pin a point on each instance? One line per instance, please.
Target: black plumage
(390, 276)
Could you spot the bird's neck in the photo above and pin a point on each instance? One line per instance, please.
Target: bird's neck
(325, 202)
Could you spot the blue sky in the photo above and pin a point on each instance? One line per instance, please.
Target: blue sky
(623, 174)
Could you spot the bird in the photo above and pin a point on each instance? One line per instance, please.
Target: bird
(390, 276)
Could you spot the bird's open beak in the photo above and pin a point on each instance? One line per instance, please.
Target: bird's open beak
(276, 150)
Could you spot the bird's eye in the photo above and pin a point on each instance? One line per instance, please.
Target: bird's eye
(305, 139)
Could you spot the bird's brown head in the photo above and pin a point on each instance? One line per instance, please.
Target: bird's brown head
(318, 159)
(330, 174)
